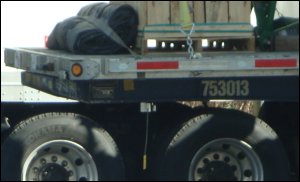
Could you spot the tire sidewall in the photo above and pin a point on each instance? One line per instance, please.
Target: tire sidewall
(203, 129)
(75, 128)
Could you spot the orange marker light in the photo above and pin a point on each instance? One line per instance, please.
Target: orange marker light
(77, 69)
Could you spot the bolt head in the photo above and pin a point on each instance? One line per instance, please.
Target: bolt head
(54, 158)
(64, 163)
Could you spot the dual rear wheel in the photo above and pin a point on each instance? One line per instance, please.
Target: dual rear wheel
(222, 145)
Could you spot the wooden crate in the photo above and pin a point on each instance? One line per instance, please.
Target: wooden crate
(239, 11)
(227, 11)
(216, 11)
(163, 12)
(160, 20)
(167, 12)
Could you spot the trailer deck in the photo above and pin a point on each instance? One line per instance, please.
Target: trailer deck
(157, 78)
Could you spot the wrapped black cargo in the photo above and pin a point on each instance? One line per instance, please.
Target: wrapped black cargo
(94, 28)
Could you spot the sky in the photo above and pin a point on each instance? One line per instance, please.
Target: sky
(25, 23)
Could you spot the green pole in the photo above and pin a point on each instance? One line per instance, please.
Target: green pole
(264, 11)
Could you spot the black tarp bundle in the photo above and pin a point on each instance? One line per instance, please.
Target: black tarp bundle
(90, 32)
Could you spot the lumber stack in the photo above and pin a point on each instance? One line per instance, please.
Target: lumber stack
(223, 24)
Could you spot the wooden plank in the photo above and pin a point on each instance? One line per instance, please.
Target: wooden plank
(158, 12)
(153, 35)
(175, 13)
(239, 11)
(199, 12)
(141, 45)
(202, 30)
(197, 44)
(216, 11)
(251, 44)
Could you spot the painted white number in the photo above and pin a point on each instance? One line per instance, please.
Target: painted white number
(225, 88)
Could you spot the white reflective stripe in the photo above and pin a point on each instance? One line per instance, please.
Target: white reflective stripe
(213, 65)
(204, 64)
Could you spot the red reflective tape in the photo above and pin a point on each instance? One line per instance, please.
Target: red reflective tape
(157, 65)
(275, 63)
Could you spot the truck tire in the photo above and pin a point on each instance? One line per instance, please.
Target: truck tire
(60, 147)
(225, 145)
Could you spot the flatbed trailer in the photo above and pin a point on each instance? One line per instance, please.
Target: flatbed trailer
(125, 78)
(182, 143)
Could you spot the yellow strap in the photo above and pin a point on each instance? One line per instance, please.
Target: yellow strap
(144, 162)
(185, 15)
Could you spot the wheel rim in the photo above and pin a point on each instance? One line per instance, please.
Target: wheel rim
(59, 160)
(226, 159)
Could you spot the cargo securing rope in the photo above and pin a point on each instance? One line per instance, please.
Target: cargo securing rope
(98, 28)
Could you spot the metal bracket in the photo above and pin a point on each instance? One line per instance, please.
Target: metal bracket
(146, 107)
